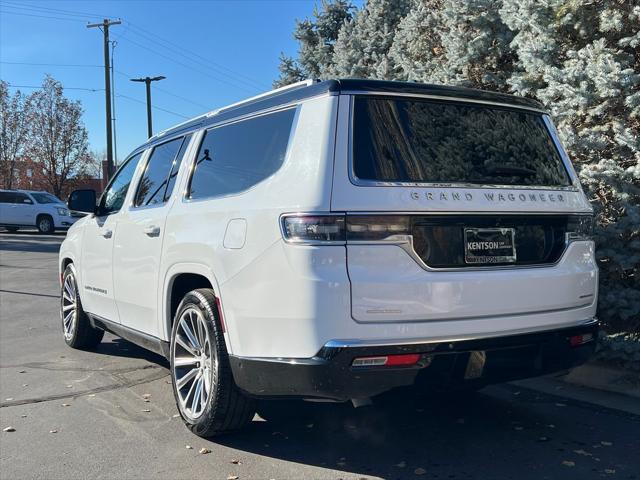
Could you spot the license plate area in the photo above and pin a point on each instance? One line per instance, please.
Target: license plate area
(489, 245)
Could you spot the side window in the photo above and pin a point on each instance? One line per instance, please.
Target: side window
(22, 199)
(153, 183)
(6, 197)
(113, 196)
(234, 157)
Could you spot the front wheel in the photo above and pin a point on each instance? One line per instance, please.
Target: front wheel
(76, 328)
(207, 397)
(45, 224)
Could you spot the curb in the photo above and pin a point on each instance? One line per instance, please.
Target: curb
(604, 377)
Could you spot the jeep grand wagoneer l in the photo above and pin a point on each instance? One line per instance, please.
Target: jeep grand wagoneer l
(335, 240)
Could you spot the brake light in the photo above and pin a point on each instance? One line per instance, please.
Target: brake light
(401, 360)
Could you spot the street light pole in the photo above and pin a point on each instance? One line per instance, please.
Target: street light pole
(147, 81)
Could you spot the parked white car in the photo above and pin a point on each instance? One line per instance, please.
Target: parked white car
(31, 208)
(335, 240)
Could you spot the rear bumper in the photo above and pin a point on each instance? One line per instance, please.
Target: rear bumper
(442, 365)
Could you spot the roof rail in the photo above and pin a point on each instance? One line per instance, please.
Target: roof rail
(292, 86)
(286, 88)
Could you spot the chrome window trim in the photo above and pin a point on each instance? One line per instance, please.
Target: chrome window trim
(377, 183)
(354, 343)
(202, 134)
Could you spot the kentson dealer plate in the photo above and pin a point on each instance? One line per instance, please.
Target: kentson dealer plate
(489, 245)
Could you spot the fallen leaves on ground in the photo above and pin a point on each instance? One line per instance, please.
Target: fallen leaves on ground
(233, 477)
(9, 429)
(235, 461)
(419, 471)
(204, 451)
(568, 463)
(402, 464)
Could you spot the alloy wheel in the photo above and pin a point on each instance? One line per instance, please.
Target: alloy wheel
(194, 362)
(69, 308)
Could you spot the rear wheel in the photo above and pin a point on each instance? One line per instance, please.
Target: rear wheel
(208, 399)
(45, 224)
(76, 328)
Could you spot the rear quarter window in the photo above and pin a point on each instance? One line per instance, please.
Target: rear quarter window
(427, 141)
(234, 157)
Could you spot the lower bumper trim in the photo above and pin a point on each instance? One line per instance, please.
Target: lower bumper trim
(444, 364)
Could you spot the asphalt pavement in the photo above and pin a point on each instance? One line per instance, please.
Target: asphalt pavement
(111, 414)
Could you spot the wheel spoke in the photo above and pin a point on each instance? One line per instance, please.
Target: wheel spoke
(184, 345)
(68, 307)
(195, 402)
(203, 394)
(67, 320)
(184, 361)
(186, 398)
(187, 330)
(182, 381)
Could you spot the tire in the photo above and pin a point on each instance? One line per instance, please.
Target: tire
(45, 224)
(198, 343)
(76, 328)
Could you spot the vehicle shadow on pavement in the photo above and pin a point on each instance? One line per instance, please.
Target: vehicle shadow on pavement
(117, 347)
(441, 436)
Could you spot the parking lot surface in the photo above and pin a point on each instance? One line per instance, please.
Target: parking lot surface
(111, 414)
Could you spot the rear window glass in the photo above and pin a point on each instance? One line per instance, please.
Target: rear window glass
(416, 141)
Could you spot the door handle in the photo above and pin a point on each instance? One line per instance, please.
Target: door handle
(152, 231)
(107, 233)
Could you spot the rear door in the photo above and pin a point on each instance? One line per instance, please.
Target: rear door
(446, 203)
(139, 236)
(22, 211)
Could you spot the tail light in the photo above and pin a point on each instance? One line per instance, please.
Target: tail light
(580, 227)
(340, 229)
(314, 229)
(382, 227)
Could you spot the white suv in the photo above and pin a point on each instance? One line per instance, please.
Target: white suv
(335, 240)
(29, 208)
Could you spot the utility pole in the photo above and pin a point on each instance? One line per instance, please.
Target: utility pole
(104, 26)
(147, 81)
(113, 105)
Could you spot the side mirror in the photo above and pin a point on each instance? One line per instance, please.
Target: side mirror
(82, 201)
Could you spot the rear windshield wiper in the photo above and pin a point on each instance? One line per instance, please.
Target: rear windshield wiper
(511, 170)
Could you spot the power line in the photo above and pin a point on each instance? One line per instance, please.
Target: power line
(201, 60)
(57, 11)
(52, 64)
(123, 74)
(40, 16)
(217, 79)
(119, 95)
(167, 92)
(39, 87)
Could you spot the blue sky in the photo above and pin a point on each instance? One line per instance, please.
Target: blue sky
(213, 52)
